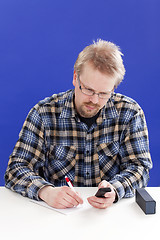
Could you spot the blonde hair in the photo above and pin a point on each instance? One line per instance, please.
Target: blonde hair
(104, 56)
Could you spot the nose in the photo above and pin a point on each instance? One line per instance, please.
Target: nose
(94, 99)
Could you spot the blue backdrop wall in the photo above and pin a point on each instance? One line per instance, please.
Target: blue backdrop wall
(40, 41)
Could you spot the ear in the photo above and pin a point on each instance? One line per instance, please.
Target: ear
(74, 78)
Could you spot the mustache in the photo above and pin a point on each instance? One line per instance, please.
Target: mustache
(91, 104)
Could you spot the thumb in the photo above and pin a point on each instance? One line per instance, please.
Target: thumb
(103, 184)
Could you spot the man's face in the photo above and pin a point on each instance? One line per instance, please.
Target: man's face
(93, 79)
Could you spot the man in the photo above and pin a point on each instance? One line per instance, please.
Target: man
(90, 134)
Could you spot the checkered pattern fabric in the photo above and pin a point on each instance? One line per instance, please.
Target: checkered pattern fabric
(54, 142)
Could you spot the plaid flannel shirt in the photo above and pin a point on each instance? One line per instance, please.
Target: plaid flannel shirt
(54, 142)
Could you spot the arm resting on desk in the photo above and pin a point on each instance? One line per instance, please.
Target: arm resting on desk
(134, 157)
(28, 157)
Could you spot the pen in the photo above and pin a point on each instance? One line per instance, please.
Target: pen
(69, 183)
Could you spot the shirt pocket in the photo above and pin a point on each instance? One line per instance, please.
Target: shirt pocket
(108, 159)
(61, 162)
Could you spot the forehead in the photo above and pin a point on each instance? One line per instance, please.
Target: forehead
(96, 80)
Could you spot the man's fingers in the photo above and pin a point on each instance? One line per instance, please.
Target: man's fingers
(75, 198)
(110, 194)
(71, 201)
(100, 203)
(68, 198)
(95, 203)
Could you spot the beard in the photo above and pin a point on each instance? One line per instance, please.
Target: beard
(88, 109)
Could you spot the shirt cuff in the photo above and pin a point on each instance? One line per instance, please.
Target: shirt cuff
(34, 188)
(118, 188)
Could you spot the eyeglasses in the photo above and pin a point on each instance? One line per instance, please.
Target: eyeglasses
(90, 92)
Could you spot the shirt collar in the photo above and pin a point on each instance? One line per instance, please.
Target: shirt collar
(109, 111)
(68, 110)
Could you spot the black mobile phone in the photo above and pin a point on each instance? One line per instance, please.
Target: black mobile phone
(101, 191)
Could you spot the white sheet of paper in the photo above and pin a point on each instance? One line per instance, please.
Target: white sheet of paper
(65, 211)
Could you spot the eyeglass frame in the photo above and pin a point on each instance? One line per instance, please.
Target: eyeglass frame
(110, 92)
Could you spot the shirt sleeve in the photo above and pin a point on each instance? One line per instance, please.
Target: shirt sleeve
(135, 159)
(28, 157)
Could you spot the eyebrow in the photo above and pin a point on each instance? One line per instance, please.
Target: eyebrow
(88, 87)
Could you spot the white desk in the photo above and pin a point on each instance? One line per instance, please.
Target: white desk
(22, 219)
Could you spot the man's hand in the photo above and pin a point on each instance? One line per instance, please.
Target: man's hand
(60, 197)
(103, 202)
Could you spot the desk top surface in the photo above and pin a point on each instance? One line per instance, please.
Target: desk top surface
(22, 219)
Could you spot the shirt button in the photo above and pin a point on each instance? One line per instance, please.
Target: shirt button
(87, 152)
(87, 173)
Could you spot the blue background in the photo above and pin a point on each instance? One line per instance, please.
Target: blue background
(40, 41)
